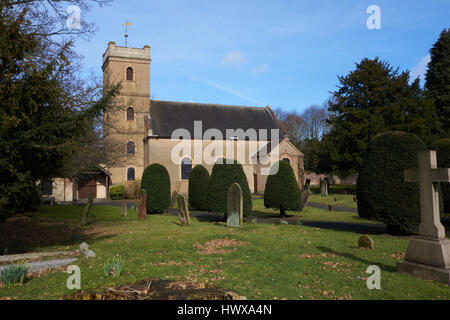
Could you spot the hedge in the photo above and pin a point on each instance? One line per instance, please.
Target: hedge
(442, 148)
(224, 173)
(336, 189)
(156, 181)
(282, 190)
(198, 188)
(381, 190)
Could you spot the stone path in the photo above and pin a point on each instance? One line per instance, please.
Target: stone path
(35, 255)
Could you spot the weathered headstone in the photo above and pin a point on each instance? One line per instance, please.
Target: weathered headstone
(124, 209)
(87, 209)
(183, 208)
(235, 206)
(366, 242)
(324, 187)
(428, 255)
(173, 199)
(142, 205)
(304, 197)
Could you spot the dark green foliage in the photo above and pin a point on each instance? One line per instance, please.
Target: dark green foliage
(156, 181)
(198, 188)
(117, 192)
(13, 275)
(381, 190)
(224, 173)
(282, 190)
(442, 148)
(438, 79)
(372, 99)
(44, 109)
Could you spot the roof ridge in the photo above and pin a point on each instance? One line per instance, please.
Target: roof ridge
(211, 104)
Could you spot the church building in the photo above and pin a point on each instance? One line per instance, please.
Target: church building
(149, 131)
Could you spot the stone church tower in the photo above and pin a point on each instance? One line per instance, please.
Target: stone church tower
(124, 128)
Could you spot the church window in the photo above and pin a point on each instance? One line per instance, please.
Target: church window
(130, 114)
(130, 74)
(130, 148)
(186, 168)
(130, 174)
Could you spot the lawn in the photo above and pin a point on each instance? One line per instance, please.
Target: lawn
(309, 213)
(343, 200)
(265, 261)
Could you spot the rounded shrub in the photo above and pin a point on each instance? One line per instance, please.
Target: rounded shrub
(381, 191)
(282, 190)
(117, 192)
(224, 173)
(442, 148)
(198, 188)
(156, 182)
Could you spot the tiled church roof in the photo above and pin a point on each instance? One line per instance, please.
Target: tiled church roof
(167, 116)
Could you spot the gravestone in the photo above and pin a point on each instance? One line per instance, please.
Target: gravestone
(124, 209)
(235, 206)
(173, 200)
(304, 196)
(183, 209)
(85, 251)
(366, 242)
(428, 255)
(142, 205)
(324, 187)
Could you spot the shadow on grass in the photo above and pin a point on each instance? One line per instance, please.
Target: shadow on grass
(355, 258)
(24, 235)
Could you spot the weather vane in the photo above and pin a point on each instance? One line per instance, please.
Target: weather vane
(127, 24)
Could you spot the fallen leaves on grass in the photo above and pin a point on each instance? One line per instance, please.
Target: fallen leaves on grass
(399, 255)
(215, 246)
(317, 255)
(172, 263)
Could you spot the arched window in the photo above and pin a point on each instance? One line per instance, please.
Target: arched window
(130, 74)
(186, 168)
(130, 148)
(287, 160)
(130, 114)
(130, 174)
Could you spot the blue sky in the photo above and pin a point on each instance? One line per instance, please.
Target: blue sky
(284, 54)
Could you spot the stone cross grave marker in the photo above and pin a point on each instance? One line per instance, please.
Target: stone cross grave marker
(324, 187)
(235, 206)
(185, 217)
(428, 255)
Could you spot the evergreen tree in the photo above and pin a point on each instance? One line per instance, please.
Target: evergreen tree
(282, 190)
(372, 99)
(438, 79)
(198, 188)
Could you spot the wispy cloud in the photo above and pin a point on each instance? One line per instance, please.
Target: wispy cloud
(420, 69)
(232, 91)
(234, 58)
(263, 68)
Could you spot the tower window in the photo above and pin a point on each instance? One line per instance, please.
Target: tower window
(186, 168)
(130, 174)
(130, 114)
(130, 148)
(130, 74)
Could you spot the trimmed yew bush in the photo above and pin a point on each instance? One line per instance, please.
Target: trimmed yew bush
(222, 177)
(156, 181)
(198, 188)
(282, 190)
(381, 190)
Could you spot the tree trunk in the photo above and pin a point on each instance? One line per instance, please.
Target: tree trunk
(282, 212)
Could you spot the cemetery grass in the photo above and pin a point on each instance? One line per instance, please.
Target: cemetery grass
(308, 214)
(343, 200)
(263, 262)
